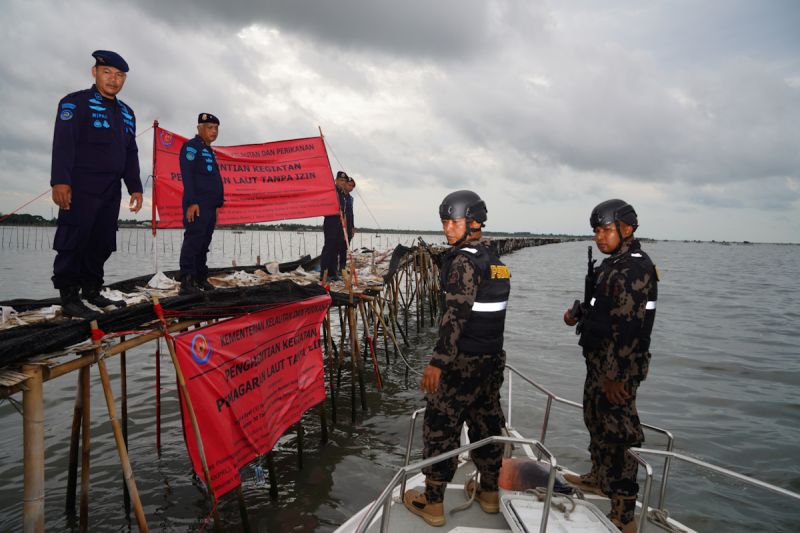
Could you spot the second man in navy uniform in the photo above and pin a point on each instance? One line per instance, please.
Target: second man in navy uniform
(202, 196)
(334, 246)
(94, 147)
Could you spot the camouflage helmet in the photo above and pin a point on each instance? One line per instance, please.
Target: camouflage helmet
(612, 211)
(463, 204)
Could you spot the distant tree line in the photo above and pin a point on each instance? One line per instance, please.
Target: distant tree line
(26, 220)
(36, 220)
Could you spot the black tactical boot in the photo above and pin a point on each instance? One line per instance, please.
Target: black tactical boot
(203, 284)
(71, 304)
(92, 295)
(622, 513)
(188, 286)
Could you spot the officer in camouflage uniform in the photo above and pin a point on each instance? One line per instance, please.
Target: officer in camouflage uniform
(465, 373)
(615, 326)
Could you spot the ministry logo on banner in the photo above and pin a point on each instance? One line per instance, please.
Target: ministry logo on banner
(266, 371)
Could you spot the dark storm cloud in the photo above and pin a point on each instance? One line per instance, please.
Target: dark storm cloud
(450, 28)
(537, 103)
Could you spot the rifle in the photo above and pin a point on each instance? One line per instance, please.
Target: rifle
(579, 309)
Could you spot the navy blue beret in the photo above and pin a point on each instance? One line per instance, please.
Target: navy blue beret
(207, 118)
(107, 58)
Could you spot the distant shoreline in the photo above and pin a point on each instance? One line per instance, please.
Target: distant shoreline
(39, 221)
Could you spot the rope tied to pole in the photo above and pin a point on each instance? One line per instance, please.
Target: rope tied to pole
(97, 335)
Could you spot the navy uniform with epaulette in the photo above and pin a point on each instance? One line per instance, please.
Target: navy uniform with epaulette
(202, 186)
(94, 147)
(349, 221)
(468, 359)
(334, 244)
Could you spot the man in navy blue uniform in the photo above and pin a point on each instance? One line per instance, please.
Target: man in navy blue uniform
(94, 147)
(334, 245)
(347, 187)
(202, 195)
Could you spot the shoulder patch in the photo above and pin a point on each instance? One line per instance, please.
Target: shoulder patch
(500, 272)
(190, 155)
(66, 114)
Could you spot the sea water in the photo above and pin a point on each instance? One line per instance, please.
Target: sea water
(724, 380)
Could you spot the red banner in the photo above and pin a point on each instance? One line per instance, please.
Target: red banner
(271, 181)
(249, 379)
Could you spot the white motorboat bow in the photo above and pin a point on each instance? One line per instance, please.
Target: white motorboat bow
(541, 509)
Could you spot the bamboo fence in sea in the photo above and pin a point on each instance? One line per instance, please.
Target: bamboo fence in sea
(364, 314)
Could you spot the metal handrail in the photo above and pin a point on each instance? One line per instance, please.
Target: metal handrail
(385, 499)
(717, 469)
(635, 452)
(409, 442)
(553, 397)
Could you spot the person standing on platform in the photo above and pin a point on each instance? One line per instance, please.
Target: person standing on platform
(334, 243)
(348, 220)
(94, 147)
(465, 373)
(202, 196)
(615, 325)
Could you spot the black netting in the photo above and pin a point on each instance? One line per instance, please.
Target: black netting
(20, 343)
(131, 285)
(394, 263)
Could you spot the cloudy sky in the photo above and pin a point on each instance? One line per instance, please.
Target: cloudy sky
(688, 110)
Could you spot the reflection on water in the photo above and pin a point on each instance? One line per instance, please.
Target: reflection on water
(724, 379)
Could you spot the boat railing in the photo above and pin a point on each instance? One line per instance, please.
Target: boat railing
(385, 499)
(552, 397)
(669, 454)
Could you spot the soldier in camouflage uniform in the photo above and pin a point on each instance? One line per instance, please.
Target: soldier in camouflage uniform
(615, 327)
(465, 373)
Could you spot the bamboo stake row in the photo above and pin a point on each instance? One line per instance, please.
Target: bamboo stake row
(412, 285)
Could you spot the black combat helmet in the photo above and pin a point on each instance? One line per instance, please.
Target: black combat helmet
(463, 204)
(612, 211)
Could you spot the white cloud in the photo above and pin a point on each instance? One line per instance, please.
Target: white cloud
(543, 108)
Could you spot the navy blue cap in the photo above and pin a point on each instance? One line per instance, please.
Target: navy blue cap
(342, 175)
(106, 58)
(207, 118)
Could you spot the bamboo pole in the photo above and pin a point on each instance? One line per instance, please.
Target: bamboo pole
(158, 396)
(85, 449)
(326, 323)
(377, 311)
(420, 315)
(74, 449)
(273, 479)
(123, 400)
(353, 368)
(323, 423)
(193, 418)
(356, 356)
(122, 449)
(86, 360)
(33, 450)
(370, 345)
(243, 510)
(300, 434)
(390, 333)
